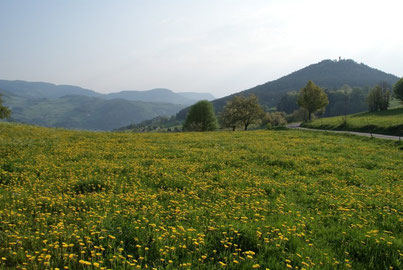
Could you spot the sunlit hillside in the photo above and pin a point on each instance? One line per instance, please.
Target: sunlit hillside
(389, 122)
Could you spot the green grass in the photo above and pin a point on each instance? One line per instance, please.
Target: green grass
(217, 200)
(388, 122)
(395, 103)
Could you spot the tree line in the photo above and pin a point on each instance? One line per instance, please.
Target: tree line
(347, 100)
(242, 111)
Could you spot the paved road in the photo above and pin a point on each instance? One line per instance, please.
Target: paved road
(379, 136)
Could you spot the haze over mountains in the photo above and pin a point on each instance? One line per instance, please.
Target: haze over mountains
(49, 90)
(160, 95)
(74, 107)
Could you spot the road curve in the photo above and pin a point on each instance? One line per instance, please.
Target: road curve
(371, 135)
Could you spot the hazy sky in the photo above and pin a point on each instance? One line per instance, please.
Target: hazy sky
(216, 46)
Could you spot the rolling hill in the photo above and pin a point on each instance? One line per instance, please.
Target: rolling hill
(51, 91)
(389, 122)
(153, 95)
(43, 90)
(74, 107)
(327, 74)
(82, 112)
(197, 96)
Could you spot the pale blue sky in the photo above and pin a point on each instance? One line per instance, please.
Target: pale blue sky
(216, 46)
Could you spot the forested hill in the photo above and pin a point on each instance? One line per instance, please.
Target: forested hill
(74, 107)
(327, 74)
(35, 90)
(82, 112)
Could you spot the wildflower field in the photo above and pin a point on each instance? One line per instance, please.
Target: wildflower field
(222, 200)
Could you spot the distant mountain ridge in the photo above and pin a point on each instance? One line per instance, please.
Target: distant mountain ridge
(74, 107)
(44, 90)
(153, 95)
(83, 112)
(327, 74)
(197, 96)
(51, 91)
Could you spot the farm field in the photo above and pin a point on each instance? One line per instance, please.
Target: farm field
(221, 200)
(388, 122)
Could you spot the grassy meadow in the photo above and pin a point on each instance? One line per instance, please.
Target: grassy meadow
(222, 200)
(388, 122)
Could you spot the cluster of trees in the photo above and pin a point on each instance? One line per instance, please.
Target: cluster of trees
(240, 111)
(244, 111)
(310, 100)
(274, 119)
(345, 100)
(378, 98)
(398, 90)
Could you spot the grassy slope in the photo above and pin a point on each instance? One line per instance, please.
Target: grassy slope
(388, 122)
(272, 199)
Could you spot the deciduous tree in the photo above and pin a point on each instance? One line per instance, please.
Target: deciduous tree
(398, 90)
(242, 110)
(312, 98)
(228, 117)
(274, 119)
(378, 98)
(201, 117)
